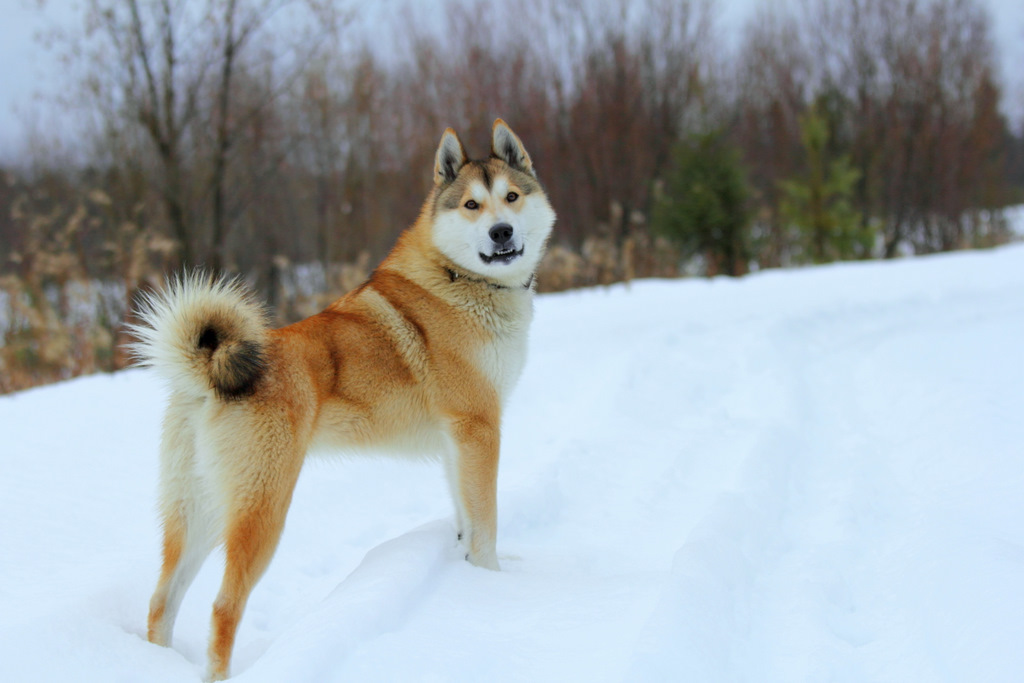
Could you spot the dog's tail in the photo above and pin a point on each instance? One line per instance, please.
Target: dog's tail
(203, 334)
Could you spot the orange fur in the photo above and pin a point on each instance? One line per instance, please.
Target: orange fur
(417, 360)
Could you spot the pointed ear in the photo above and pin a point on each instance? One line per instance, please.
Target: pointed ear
(450, 158)
(507, 147)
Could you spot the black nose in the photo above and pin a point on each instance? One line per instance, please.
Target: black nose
(501, 233)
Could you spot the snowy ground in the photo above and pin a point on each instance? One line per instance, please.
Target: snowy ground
(809, 475)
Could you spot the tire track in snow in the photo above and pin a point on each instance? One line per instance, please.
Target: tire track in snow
(715, 572)
(794, 488)
(808, 570)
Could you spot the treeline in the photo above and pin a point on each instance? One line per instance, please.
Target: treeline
(290, 142)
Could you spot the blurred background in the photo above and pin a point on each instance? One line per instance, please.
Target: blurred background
(290, 141)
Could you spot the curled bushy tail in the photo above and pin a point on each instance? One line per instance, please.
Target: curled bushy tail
(203, 334)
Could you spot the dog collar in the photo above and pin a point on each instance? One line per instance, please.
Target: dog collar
(454, 275)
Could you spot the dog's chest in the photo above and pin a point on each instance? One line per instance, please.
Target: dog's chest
(503, 356)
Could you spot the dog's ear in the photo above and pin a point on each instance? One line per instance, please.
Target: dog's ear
(509, 148)
(450, 158)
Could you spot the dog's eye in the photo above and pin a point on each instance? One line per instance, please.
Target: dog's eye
(511, 197)
(471, 205)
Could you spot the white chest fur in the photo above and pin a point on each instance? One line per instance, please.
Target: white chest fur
(503, 357)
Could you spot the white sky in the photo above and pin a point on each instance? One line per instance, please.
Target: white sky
(32, 70)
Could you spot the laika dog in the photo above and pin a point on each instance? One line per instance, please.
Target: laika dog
(418, 360)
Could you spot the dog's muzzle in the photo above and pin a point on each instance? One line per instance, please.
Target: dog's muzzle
(503, 245)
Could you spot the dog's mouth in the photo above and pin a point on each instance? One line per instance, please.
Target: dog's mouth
(502, 256)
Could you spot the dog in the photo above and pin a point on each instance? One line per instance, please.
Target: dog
(417, 360)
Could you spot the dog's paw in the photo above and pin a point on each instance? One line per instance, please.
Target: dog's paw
(215, 675)
(485, 560)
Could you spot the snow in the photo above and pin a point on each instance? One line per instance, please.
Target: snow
(807, 475)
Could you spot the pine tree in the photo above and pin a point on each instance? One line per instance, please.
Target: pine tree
(818, 203)
(702, 203)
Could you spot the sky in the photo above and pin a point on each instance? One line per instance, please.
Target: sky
(33, 71)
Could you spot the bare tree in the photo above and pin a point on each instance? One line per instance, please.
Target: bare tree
(923, 120)
(172, 70)
(773, 74)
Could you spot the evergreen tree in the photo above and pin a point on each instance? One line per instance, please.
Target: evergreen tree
(818, 203)
(702, 204)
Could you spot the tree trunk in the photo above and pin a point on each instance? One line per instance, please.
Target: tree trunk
(217, 254)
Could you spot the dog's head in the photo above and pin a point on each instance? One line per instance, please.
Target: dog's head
(490, 217)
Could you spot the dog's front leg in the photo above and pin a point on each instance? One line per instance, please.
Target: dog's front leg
(475, 484)
(451, 470)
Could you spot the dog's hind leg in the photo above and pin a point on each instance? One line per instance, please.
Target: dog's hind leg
(255, 519)
(185, 546)
(188, 533)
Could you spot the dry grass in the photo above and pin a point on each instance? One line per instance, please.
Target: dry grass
(601, 261)
(56, 324)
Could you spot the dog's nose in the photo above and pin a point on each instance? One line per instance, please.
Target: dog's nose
(501, 233)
